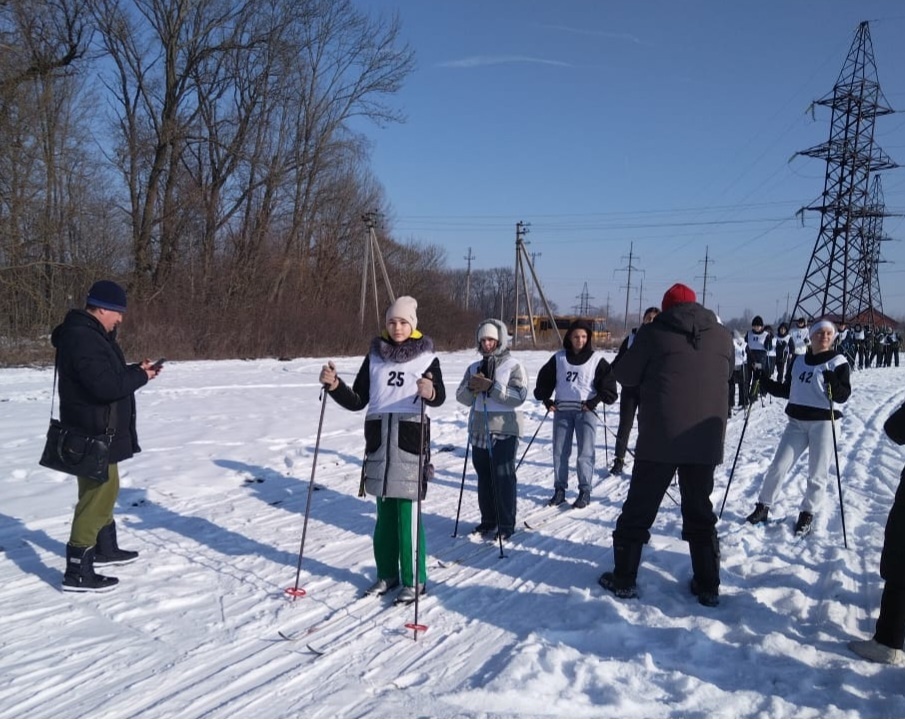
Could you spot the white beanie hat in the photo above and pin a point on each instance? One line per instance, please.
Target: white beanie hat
(488, 329)
(404, 308)
(821, 325)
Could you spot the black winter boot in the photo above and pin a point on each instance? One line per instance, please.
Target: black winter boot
(107, 551)
(760, 514)
(80, 576)
(621, 581)
(705, 563)
(803, 525)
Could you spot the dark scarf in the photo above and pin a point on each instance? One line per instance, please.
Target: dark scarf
(389, 351)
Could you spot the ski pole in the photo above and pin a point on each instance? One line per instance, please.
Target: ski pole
(414, 626)
(532, 439)
(493, 487)
(739, 448)
(296, 591)
(606, 446)
(829, 394)
(464, 468)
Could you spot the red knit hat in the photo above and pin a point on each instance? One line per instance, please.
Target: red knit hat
(677, 294)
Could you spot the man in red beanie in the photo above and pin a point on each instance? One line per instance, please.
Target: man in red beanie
(681, 364)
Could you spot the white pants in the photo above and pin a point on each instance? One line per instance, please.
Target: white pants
(814, 436)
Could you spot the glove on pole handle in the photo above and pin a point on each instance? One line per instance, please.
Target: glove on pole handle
(829, 394)
(738, 449)
(295, 590)
(532, 440)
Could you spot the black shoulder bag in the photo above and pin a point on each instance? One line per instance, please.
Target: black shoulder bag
(71, 451)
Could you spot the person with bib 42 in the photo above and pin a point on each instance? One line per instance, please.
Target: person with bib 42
(816, 382)
(400, 369)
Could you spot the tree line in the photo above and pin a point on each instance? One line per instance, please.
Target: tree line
(203, 153)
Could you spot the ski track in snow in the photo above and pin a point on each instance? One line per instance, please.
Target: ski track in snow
(216, 504)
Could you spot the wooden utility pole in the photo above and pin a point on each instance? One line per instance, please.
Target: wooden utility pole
(522, 260)
(469, 257)
(372, 258)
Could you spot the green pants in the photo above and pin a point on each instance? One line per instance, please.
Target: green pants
(393, 546)
(94, 510)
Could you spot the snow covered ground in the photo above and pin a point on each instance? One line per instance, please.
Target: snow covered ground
(216, 504)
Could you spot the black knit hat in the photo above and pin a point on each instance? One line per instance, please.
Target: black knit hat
(107, 295)
(758, 321)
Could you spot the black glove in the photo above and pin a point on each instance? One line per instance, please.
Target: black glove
(757, 371)
(549, 404)
(831, 380)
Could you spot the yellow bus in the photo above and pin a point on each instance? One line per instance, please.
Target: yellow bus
(543, 328)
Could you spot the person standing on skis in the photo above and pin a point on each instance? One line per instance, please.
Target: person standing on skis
(816, 382)
(494, 387)
(400, 369)
(628, 397)
(580, 379)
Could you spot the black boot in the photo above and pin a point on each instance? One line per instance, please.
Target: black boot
(803, 525)
(705, 563)
(621, 581)
(80, 576)
(107, 551)
(760, 514)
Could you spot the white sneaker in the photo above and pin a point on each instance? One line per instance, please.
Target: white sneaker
(876, 652)
(381, 587)
(407, 595)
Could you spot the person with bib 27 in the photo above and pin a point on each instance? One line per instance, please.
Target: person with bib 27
(399, 369)
(580, 379)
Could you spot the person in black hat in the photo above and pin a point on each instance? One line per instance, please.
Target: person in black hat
(628, 396)
(580, 379)
(97, 392)
(759, 340)
(799, 339)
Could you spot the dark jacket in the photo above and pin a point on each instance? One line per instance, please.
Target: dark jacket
(892, 560)
(605, 387)
(94, 376)
(681, 363)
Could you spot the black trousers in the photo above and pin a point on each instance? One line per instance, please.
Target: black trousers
(495, 468)
(649, 483)
(628, 405)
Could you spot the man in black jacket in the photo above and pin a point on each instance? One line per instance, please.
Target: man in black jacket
(886, 646)
(96, 394)
(681, 363)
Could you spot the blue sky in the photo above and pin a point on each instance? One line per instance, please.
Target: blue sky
(667, 127)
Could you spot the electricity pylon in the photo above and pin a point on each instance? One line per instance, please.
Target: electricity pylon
(834, 281)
